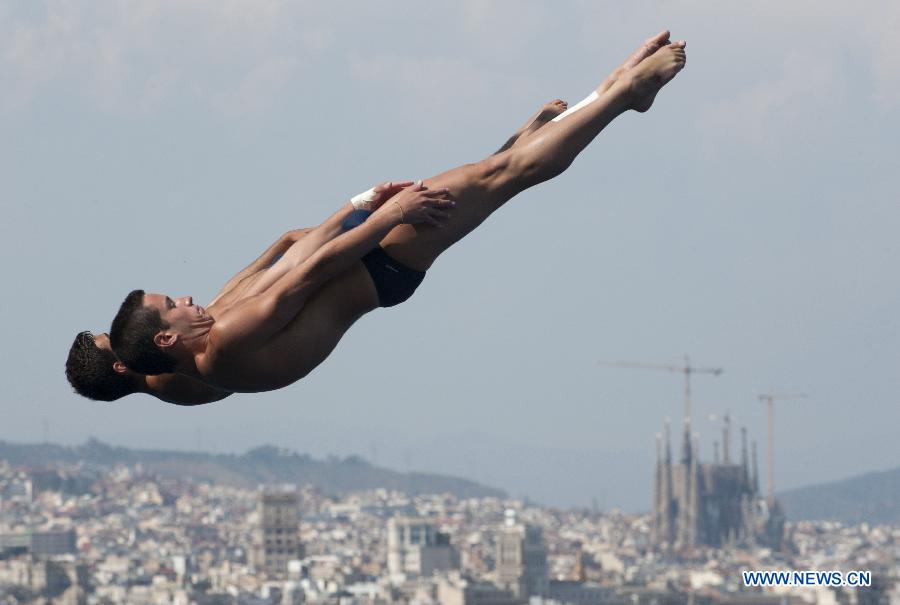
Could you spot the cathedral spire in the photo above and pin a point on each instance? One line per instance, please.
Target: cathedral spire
(667, 522)
(686, 454)
(726, 440)
(755, 479)
(744, 461)
(657, 494)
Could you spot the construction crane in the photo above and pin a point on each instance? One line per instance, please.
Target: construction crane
(687, 369)
(769, 399)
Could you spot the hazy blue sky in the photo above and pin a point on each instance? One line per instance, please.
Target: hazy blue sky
(750, 219)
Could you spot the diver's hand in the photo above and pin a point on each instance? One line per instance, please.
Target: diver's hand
(375, 197)
(417, 204)
(385, 191)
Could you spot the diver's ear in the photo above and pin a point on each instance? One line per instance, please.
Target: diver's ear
(164, 340)
(119, 367)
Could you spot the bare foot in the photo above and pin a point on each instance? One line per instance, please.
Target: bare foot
(645, 79)
(650, 46)
(545, 114)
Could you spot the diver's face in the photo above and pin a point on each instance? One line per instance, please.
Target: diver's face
(180, 314)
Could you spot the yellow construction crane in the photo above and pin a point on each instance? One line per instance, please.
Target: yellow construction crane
(687, 369)
(769, 398)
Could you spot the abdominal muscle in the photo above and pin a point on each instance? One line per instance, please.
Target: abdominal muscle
(305, 342)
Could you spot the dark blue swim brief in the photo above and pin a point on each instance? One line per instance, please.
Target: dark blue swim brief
(394, 281)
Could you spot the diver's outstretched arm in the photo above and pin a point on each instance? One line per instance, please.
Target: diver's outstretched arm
(231, 289)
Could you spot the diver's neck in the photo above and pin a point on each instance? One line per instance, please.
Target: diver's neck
(194, 346)
(195, 342)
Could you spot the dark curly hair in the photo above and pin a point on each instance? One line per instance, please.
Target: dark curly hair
(89, 370)
(132, 333)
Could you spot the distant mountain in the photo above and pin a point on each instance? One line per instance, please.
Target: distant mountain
(873, 498)
(266, 464)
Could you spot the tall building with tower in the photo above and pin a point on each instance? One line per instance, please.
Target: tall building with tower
(522, 559)
(277, 536)
(710, 504)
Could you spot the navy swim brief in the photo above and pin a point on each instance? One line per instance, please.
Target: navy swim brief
(394, 281)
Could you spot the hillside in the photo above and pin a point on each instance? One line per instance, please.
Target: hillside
(266, 464)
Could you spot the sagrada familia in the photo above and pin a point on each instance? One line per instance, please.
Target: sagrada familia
(718, 505)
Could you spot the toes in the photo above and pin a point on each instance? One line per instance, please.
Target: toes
(658, 40)
(649, 47)
(555, 105)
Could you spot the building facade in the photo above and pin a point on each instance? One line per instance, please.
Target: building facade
(522, 559)
(277, 537)
(416, 549)
(702, 504)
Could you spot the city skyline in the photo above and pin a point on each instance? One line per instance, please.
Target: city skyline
(125, 535)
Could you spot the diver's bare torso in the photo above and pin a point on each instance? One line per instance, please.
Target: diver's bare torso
(296, 350)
